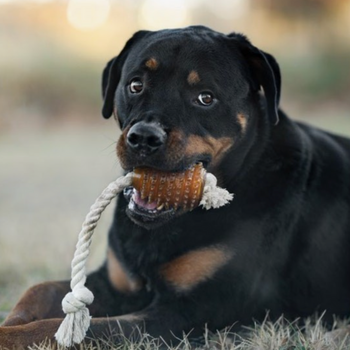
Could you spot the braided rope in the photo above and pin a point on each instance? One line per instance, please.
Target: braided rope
(77, 321)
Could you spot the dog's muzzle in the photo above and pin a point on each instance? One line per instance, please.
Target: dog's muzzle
(146, 138)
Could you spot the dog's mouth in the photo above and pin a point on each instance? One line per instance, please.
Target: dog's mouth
(158, 196)
(143, 211)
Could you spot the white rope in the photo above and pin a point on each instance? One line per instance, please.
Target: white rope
(77, 321)
(213, 196)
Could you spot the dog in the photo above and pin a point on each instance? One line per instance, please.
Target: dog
(188, 96)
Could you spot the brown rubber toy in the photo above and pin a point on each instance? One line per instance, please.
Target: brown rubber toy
(172, 189)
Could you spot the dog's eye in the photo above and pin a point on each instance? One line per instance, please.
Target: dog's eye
(205, 99)
(136, 86)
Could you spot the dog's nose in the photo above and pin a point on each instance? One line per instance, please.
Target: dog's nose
(146, 137)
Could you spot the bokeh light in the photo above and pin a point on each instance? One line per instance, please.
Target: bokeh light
(159, 14)
(229, 9)
(87, 14)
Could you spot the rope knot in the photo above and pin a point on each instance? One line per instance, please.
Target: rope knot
(77, 300)
(213, 196)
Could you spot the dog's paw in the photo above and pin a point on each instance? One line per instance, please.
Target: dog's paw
(24, 336)
(18, 318)
(42, 301)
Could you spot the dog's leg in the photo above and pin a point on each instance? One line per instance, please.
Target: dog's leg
(164, 321)
(22, 336)
(38, 302)
(43, 301)
(155, 320)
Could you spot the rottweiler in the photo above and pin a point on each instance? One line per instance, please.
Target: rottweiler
(188, 96)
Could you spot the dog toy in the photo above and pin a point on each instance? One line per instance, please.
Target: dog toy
(170, 190)
(186, 190)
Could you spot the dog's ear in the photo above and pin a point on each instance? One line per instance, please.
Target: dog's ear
(112, 72)
(265, 72)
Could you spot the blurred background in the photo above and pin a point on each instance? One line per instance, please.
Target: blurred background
(56, 151)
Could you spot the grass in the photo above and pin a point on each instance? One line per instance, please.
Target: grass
(268, 335)
(279, 335)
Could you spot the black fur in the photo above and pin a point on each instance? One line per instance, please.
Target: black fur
(287, 229)
(288, 225)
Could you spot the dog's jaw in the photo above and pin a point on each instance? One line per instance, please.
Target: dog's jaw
(156, 197)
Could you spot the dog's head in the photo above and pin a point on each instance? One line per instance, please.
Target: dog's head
(185, 96)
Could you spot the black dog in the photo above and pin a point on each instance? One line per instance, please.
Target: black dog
(194, 95)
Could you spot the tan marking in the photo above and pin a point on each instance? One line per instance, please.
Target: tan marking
(121, 148)
(210, 145)
(152, 64)
(118, 277)
(242, 120)
(175, 146)
(193, 78)
(188, 270)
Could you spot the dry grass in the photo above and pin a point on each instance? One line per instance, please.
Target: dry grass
(280, 335)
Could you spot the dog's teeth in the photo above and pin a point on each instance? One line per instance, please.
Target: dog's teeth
(160, 207)
(131, 205)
